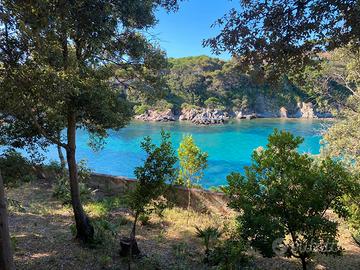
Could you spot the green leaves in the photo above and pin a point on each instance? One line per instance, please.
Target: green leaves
(158, 169)
(284, 37)
(193, 162)
(284, 193)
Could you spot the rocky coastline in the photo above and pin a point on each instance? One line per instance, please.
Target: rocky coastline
(208, 116)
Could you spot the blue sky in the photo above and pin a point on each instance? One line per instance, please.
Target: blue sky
(181, 33)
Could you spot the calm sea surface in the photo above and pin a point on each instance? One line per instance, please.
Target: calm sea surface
(229, 146)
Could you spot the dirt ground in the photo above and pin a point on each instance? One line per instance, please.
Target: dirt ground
(41, 234)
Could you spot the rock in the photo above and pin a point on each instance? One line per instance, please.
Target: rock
(250, 116)
(283, 112)
(307, 110)
(157, 116)
(204, 116)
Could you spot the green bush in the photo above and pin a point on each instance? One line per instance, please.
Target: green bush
(141, 109)
(15, 169)
(214, 103)
(61, 188)
(285, 193)
(188, 106)
(230, 254)
(54, 167)
(163, 104)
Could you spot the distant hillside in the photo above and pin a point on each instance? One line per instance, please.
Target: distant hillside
(213, 83)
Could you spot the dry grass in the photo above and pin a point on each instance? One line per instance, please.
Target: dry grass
(43, 240)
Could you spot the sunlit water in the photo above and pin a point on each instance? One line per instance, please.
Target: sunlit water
(229, 146)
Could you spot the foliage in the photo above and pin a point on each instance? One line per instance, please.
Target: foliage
(213, 103)
(286, 194)
(230, 254)
(282, 37)
(209, 235)
(61, 189)
(141, 109)
(193, 162)
(158, 169)
(64, 68)
(204, 81)
(15, 169)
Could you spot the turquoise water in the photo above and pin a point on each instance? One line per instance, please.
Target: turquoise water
(229, 146)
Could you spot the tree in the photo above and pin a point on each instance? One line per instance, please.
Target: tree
(285, 36)
(193, 162)
(6, 259)
(287, 194)
(58, 70)
(213, 103)
(158, 171)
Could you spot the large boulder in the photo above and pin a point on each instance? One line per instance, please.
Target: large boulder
(157, 116)
(306, 110)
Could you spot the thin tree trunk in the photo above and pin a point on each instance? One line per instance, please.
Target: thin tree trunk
(61, 158)
(303, 262)
(189, 205)
(60, 153)
(6, 259)
(85, 232)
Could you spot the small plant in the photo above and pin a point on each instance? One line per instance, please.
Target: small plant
(61, 188)
(193, 162)
(15, 168)
(208, 235)
(158, 169)
(144, 219)
(140, 109)
(214, 103)
(230, 254)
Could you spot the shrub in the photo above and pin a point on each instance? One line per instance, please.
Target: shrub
(209, 235)
(61, 188)
(157, 170)
(188, 106)
(193, 162)
(214, 103)
(15, 169)
(286, 194)
(141, 109)
(230, 254)
(163, 104)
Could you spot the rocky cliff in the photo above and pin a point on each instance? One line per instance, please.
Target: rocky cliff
(262, 109)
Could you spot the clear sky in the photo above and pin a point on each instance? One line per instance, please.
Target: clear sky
(181, 33)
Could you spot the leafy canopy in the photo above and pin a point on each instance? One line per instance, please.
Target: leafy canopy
(285, 36)
(58, 59)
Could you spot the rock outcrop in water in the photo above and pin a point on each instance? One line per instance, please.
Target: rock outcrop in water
(204, 116)
(157, 116)
(262, 109)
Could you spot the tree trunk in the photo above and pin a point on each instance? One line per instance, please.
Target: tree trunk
(303, 262)
(189, 205)
(128, 246)
(61, 158)
(85, 232)
(6, 259)
(60, 153)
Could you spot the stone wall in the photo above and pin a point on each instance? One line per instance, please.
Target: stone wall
(202, 200)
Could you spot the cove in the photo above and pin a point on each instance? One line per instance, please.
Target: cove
(229, 146)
